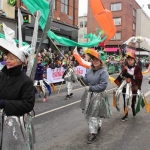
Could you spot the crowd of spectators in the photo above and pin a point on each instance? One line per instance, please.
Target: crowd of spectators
(56, 60)
(53, 59)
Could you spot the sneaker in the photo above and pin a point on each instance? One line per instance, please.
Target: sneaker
(67, 97)
(71, 94)
(45, 99)
(124, 118)
(91, 138)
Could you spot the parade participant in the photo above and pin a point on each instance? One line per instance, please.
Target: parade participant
(17, 98)
(38, 80)
(94, 103)
(69, 78)
(132, 74)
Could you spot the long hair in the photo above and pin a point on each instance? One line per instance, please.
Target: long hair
(101, 63)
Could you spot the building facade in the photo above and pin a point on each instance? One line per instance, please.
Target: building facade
(64, 24)
(129, 18)
(82, 25)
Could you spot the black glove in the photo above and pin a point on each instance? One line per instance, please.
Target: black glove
(2, 104)
(129, 76)
(124, 74)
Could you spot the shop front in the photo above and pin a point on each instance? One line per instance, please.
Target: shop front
(58, 28)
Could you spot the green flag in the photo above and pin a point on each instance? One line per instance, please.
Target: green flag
(138, 106)
(142, 102)
(42, 5)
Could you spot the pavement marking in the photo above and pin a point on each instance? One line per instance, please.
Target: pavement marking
(110, 90)
(64, 105)
(57, 108)
(147, 93)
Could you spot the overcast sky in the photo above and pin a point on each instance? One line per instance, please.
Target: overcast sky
(83, 6)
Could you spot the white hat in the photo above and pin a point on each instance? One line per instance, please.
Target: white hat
(9, 45)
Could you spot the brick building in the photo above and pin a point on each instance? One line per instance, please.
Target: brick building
(65, 23)
(124, 13)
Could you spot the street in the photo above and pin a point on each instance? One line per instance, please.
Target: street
(60, 125)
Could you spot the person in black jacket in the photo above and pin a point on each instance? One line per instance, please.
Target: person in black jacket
(17, 94)
(17, 97)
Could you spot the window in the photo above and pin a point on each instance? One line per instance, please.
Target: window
(116, 7)
(81, 24)
(117, 21)
(54, 4)
(64, 6)
(117, 36)
(134, 12)
(133, 26)
(1, 4)
(85, 24)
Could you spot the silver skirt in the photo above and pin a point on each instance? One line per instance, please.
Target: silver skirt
(17, 133)
(96, 104)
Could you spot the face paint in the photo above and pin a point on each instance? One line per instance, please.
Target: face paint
(12, 61)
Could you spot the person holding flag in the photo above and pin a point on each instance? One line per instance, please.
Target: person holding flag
(69, 78)
(131, 75)
(94, 102)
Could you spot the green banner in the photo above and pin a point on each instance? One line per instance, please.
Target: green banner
(43, 6)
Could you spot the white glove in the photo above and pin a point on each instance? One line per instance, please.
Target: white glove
(87, 88)
(139, 92)
(79, 76)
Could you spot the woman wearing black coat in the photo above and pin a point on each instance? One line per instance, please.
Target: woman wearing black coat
(17, 98)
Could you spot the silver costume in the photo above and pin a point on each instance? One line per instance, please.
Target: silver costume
(95, 106)
(41, 85)
(94, 103)
(69, 77)
(17, 133)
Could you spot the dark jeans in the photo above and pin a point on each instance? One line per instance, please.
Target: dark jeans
(133, 100)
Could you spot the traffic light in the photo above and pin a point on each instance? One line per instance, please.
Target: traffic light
(12, 2)
(27, 18)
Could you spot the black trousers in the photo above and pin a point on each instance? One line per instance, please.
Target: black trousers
(133, 100)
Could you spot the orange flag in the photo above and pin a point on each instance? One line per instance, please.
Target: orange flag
(147, 106)
(114, 99)
(53, 87)
(125, 111)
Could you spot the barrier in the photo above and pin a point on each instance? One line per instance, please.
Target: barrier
(55, 75)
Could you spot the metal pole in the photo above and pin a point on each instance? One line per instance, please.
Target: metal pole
(139, 49)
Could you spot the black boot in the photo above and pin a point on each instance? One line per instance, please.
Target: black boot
(133, 108)
(71, 94)
(133, 111)
(125, 117)
(67, 97)
(99, 129)
(91, 138)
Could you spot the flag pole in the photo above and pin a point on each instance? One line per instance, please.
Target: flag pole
(44, 35)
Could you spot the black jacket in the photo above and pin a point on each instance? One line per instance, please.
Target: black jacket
(17, 90)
